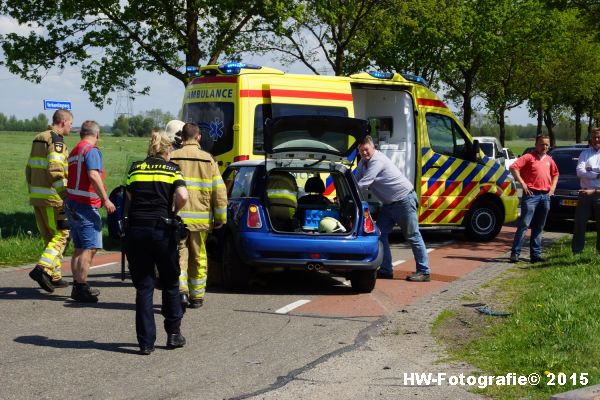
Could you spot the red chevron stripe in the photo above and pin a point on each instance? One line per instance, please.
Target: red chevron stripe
(432, 188)
(424, 215)
(458, 217)
(442, 215)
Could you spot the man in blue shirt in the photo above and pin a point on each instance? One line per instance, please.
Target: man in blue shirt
(400, 205)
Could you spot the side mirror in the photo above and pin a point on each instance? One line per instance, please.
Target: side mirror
(476, 151)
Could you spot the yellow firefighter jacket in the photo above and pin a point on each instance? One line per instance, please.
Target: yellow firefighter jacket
(207, 200)
(46, 171)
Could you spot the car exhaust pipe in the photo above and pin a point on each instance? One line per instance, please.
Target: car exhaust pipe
(318, 267)
(310, 267)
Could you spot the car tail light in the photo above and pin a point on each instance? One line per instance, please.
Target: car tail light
(368, 224)
(253, 220)
(314, 256)
(241, 158)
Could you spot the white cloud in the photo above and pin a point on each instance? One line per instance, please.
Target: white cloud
(10, 25)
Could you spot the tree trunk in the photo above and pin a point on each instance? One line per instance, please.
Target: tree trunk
(578, 112)
(502, 124)
(540, 118)
(549, 121)
(467, 108)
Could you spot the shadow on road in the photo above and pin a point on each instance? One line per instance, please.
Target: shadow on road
(37, 340)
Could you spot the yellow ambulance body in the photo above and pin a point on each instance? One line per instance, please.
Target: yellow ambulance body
(456, 184)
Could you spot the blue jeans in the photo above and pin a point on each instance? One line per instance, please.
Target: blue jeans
(403, 213)
(534, 210)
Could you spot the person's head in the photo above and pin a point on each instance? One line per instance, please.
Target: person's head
(595, 138)
(90, 131)
(366, 148)
(62, 121)
(542, 144)
(190, 131)
(160, 145)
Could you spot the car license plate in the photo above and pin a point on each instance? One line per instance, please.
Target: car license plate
(568, 202)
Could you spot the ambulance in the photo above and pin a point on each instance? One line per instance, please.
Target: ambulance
(457, 185)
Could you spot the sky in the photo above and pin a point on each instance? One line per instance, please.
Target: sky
(24, 99)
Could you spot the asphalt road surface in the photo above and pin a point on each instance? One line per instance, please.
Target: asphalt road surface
(238, 344)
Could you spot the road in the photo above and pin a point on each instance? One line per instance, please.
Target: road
(239, 344)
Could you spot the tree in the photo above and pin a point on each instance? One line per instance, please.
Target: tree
(111, 40)
(340, 33)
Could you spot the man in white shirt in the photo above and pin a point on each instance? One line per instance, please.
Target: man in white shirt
(588, 171)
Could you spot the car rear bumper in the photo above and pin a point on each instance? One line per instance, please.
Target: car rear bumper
(337, 254)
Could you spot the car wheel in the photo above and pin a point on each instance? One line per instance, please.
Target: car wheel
(363, 281)
(483, 222)
(236, 274)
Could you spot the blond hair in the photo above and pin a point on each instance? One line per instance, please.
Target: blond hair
(159, 144)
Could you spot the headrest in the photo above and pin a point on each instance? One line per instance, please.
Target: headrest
(314, 184)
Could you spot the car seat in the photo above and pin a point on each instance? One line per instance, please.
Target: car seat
(282, 192)
(314, 187)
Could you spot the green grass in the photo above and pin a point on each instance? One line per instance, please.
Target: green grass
(16, 215)
(554, 326)
(517, 146)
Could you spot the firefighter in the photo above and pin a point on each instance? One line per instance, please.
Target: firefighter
(46, 175)
(205, 210)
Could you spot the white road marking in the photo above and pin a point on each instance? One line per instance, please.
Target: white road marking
(291, 306)
(102, 265)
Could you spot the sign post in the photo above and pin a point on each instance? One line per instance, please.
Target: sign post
(57, 105)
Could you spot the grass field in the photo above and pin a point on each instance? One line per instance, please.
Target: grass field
(16, 215)
(553, 329)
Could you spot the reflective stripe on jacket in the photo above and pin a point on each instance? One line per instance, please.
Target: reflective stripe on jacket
(207, 201)
(46, 170)
(79, 185)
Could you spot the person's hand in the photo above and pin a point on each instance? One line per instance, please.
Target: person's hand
(527, 191)
(110, 207)
(217, 225)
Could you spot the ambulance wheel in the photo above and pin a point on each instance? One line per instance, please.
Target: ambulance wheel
(236, 274)
(363, 281)
(483, 221)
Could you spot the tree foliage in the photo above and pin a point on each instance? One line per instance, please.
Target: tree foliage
(36, 124)
(111, 40)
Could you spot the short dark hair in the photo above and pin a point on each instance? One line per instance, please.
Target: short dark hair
(61, 115)
(189, 131)
(367, 140)
(538, 137)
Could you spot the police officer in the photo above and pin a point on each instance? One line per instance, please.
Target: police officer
(205, 210)
(156, 192)
(46, 175)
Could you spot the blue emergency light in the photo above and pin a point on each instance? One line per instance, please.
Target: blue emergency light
(233, 68)
(414, 78)
(381, 74)
(192, 70)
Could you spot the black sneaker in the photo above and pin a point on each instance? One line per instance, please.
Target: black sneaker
(60, 283)
(42, 278)
(514, 258)
(418, 277)
(146, 350)
(537, 260)
(84, 294)
(175, 340)
(196, 303)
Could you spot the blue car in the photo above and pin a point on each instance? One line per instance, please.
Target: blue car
(299, 208)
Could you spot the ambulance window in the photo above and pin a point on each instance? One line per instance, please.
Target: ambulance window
(215, 120)
(264, 111)
(445, 137)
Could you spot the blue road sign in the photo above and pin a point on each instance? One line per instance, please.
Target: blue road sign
(57, 105)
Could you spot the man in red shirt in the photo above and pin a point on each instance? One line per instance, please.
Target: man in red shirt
(537, 173)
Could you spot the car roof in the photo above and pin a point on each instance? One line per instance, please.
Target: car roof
(247, 163)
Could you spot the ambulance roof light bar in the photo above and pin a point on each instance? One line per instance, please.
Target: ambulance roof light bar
(233, 68)
(390, 75)
(414, 78)
(192, 71)
(381, 74)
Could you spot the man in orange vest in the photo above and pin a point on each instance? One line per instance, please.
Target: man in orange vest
(86, 194)
(46, 175)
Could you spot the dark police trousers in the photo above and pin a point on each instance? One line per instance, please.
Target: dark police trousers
(147, 247)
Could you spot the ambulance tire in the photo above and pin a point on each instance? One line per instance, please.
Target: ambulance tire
(363, 281)
(236, 274)
(483, 222)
